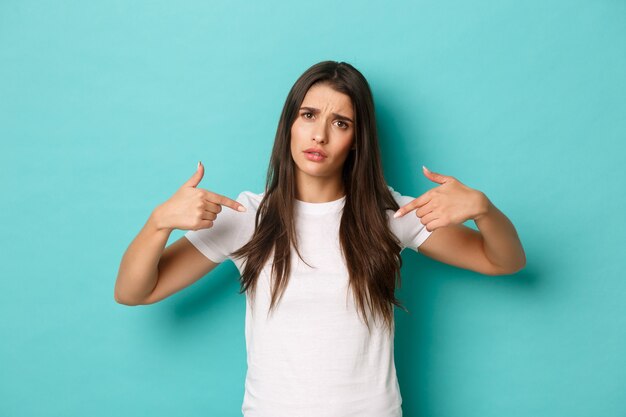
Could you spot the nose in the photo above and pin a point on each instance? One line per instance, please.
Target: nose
(319, 135)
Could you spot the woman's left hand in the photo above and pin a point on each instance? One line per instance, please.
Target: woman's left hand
(450, 203)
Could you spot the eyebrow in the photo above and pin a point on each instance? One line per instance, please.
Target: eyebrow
(338, 116)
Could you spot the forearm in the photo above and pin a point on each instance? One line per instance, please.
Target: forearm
(138, 271)
(500, 240)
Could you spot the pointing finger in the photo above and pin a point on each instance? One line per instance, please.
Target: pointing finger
(418, 202)
(225, 201)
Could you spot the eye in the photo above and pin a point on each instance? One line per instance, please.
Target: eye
(343, 125)
(306, 114)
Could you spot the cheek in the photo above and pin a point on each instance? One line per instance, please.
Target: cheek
(294, 142)
(347, 143)
(300, 136)
(292, 147)
(298, 130)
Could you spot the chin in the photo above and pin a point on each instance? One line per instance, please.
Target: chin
(312, 171)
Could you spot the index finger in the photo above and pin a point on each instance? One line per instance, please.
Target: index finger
(412, 205)
(225, 201)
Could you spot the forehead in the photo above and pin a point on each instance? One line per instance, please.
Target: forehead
(322, 96)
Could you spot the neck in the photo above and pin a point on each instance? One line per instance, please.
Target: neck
(319, 190)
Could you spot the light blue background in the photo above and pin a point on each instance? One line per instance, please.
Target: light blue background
(106, 107)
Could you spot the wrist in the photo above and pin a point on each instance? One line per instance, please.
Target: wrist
(155, 221)
(484, 206)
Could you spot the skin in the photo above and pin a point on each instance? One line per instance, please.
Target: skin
(318, 126)
(495, 249)
(150, 271)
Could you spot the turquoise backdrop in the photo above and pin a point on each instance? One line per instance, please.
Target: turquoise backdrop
(106, 107)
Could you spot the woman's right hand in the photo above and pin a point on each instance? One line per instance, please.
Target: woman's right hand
(192, 208)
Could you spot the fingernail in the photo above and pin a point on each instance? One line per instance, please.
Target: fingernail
(241, 208)
(396, 214)
(199, 164)
(425, 168)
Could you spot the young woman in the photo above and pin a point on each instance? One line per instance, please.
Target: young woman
(318, 252)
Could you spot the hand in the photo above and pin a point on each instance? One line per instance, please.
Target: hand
(192, 208)
(449, 203)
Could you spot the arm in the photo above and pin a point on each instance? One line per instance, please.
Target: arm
(493, 250)
(501, 243)
(149, 273)
(138, 272)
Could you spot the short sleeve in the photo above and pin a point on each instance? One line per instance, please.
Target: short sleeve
(219, 241)
(408, 228)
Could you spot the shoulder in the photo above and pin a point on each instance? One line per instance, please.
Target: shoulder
(408, 228)
(250, 200)
(400, 199)
(229, 231)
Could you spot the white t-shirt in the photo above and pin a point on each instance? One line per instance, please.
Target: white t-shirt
(313, 357)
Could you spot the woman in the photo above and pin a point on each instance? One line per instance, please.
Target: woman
(319, 253)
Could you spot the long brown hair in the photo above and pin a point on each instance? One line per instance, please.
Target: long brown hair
(371, 251)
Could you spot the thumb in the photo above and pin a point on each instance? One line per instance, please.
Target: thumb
(196, 177)
(433, 176)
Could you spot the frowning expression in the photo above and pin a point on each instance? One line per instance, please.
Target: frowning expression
(325, 123)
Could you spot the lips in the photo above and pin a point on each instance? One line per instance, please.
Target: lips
(316, 150)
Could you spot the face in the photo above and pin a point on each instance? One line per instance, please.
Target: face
(325, 122)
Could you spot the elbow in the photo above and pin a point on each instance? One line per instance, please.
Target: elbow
(514, 269)
(497, 270)
(521, 265)
(123, 297)
(127, 302)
